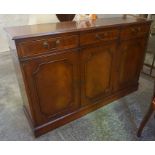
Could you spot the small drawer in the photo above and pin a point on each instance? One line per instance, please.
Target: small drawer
(40, 46)
(134, 31)
(98, 36)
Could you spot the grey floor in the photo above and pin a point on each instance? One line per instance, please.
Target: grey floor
(116, 121)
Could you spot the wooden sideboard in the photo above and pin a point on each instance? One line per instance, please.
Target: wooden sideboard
(66, 70)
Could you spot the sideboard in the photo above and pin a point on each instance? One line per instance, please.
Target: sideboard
(66, 70)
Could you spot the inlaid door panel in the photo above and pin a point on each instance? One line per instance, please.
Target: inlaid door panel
(97, 68)
(54, 86)
(130, 61)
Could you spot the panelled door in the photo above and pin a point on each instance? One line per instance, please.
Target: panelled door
(53, 85)
(97, 68)
(130, 61)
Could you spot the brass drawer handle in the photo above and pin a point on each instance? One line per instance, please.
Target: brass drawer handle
(46, 44)
(133, 30)
(139, 29)
(99, 37)
(57, 42)
(136, 29)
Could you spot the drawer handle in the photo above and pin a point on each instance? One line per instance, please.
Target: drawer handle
(139, 29)
(57, 42)
(45, 44)
(135, 29)
(99, 37)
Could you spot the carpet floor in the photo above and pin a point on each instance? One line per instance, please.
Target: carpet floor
(117, 121)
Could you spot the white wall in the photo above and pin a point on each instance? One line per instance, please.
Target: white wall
(17, 20)
(9, 20)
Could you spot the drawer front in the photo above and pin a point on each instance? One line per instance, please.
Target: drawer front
(134, 31)
(98, 36)
(40, 46)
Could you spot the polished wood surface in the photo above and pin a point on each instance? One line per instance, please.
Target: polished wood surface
(35, 47)
(52, 83)
(134, 31)
(27, 31)
(98, 36)
(68, 69)
(97, 68)
(130, 61)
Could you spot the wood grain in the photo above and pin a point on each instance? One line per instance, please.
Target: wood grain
(66, 70)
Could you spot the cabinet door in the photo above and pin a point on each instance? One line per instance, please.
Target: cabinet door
(130, 59)
(97, 72)
(53, 86)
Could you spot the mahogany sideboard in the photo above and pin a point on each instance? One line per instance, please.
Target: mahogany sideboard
(66, 70)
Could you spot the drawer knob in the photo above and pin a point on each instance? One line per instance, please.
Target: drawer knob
(45, 44)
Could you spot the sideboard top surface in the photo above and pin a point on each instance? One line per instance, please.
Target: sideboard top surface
(21, 32)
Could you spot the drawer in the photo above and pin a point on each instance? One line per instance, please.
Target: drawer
(40, 46)
(98, 36)
(134, 31)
